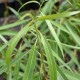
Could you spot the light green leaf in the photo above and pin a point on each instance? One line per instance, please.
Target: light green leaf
(28, 74)
(54, 35)
(50, 59)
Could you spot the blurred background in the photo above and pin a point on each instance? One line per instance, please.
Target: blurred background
(15, 4)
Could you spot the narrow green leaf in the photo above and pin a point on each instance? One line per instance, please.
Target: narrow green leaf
(8, 32)
(50, 59)
(71, 75)
(15, 12)
(58, 15)
(73, 34)
(14, 42)
(54, 35)
(12, 25)
(28, 74)
(61, 27)
(62, 74)
(16, 71)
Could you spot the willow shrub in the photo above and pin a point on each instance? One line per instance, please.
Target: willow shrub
(46, 46)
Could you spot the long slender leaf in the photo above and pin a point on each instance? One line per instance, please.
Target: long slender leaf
(28, 74)
(50, 59)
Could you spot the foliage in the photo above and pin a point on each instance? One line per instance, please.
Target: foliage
(46, 47)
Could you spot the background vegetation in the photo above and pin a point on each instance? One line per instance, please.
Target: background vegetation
(47, 46)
